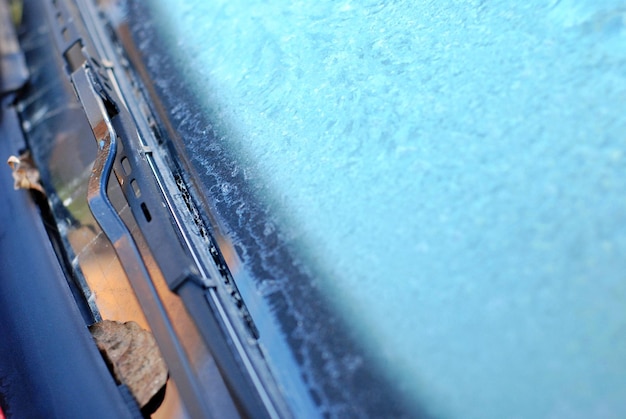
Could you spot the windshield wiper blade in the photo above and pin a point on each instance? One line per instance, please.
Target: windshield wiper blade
(122, 152)
(112, 225)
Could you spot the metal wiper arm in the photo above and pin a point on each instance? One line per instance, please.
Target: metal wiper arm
(97, 90)
(125, 247)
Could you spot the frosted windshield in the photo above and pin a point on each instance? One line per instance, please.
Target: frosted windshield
(456, 171)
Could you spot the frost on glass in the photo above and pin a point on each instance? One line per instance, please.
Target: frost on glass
(449, 173)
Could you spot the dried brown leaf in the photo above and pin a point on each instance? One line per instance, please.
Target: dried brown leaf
(25, 174)
(134, 357)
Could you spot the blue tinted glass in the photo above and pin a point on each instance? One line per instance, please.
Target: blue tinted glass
(456, 170)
